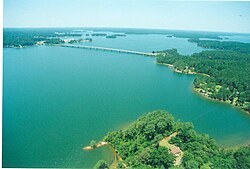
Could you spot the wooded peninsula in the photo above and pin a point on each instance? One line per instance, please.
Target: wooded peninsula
(140, 146)
(223, 73)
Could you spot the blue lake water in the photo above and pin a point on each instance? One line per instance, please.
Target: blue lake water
(145, 43)
(56, 100)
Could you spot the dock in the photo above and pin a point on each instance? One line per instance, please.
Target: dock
(107, 49)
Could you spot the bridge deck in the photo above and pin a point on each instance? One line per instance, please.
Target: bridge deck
(108, 49)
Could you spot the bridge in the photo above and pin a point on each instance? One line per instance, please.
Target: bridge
(107, 49)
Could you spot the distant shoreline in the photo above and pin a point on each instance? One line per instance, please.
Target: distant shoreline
(161, 30)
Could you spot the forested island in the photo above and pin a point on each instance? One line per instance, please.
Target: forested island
(141, 146)
(223, 74)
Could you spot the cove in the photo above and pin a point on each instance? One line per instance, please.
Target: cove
(56, 100)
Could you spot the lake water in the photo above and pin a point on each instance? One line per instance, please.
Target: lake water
(146, 43)
(56, 100)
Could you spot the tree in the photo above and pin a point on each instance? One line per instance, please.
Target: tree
(191, 164)
(121, 165)
(242, 156)
(101, 164)
(93, 143)
(161, 157)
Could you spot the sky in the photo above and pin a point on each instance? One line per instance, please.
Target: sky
(157, 14)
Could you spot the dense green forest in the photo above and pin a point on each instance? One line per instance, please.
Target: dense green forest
(29, 37)
(224, 73)
(232, 46)
(139, 147)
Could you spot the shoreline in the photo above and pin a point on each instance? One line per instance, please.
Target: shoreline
(100, 144)
(195, 90)
(117, 157)
(178, 71)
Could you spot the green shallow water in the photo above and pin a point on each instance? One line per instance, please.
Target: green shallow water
(56, 100)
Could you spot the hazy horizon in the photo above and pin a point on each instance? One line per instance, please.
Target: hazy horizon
(70, 27)
(168, 15)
